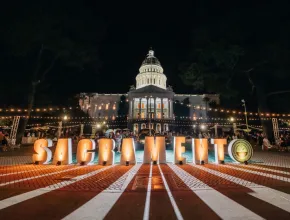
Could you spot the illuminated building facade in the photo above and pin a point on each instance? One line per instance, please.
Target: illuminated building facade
(149, 104)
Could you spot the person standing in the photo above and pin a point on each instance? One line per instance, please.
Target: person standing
(118, 139)
(1, 139)
(5, 143)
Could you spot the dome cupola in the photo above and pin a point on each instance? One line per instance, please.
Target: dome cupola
(151, 73)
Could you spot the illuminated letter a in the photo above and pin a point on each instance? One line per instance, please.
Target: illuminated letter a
(63, 152)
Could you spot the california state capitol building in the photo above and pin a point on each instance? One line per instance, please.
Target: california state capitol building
(150, 102)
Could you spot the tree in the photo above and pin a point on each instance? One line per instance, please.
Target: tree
(5, 122)
(48, 35)
(123, 107)
(239, 70)
(181, 109)
(206, 101)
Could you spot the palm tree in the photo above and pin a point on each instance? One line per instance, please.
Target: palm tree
(206, 101)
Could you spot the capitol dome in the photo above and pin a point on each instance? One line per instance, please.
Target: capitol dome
(151, 73)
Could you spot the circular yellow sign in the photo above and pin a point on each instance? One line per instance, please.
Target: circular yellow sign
(240, 150)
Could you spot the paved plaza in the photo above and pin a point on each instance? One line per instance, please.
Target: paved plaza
(144, 191)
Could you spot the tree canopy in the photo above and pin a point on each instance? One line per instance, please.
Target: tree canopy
(48, 38)
(240, 62)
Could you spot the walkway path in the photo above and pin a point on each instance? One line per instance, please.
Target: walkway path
(167, 191)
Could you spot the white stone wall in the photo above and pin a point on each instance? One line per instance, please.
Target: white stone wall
(103, 105)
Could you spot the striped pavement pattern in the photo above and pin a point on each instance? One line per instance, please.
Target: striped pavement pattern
(145, 191)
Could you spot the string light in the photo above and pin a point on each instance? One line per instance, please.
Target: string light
(197, 107)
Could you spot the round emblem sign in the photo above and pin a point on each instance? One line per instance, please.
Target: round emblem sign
(240, 150)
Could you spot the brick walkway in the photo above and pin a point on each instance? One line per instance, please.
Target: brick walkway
(168, 191)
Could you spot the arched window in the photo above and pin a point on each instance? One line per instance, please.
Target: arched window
(148, 81)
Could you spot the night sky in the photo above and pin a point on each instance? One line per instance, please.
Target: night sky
(130, 30)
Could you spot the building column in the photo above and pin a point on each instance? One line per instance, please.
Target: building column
(171, 107)
(168, 108)
(140, 105)
(132, 108)
(147, 109)
(162, 108)
(154, 107)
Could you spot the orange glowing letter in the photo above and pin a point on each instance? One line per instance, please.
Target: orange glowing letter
(160, 148)
(199, 150)
(179, 149)
(219, 151)
(154, 149)
(128, 155)
(43, 153)
(149, 142)
(106, 151)
(63, 152)
(83, 156)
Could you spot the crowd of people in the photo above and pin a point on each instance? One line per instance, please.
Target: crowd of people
(282, 143)
(258, 139)
(4, 141)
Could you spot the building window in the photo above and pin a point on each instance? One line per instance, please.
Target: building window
(147, 81)
(114, 107)
(142, 115)
(138, 105)
(107, 106)
(154, 81)
(143, 105)
(100, 107)
(159, 105)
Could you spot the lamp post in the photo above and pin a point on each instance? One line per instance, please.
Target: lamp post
(246, 117)
(232, 119)
(64, 120)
